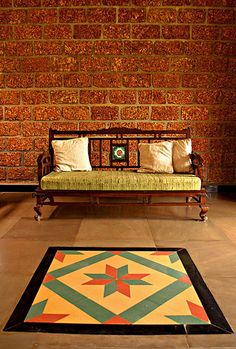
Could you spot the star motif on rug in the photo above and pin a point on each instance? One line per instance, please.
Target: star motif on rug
(117, 280)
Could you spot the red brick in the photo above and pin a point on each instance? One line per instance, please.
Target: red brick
(27, 3)
(208, 129)
(3, 174)
(151, 31)
(2, 82)
(220, 175)
(1, 113)
(6, 3)
(76, 113)
(138, 47)
(9, 128)
(161, 15)
(142, 125)
(47, 48)
(47, 113)
(195, 113)
(93, 97)
(224, 81)
(146, 2)
(65, 64)
(225, 48)
(169, 47)
(20, 173)
(72, 15)
(122, 124)
(228, 96)
(107, 80)
(35, 128)
(6, 32)
(198, 48)
(78, 47)
(9, 65)
(2, 144)
(154, 64)
(19, 81)
(95, 64)
(9, 97)
(124, 64)
(42, 16)
(178, 125)
(208, 96)
(77, 80)
(27, 32)
(229, 160)
(165, 113)
(183, 64)
(220, 16)
(19, 48)
(207, 2)
(176, 2)
(152, 97)
(230, 129)
(104, 113)
(41, 144)
(101, 15)
(202, 32)
(19, 143)
(166, 80)
(64, 97)
(57, 31)
(2, 48)
(122, 96)
(91, 126)
(191, 16)
(35, 97)
(180, 97)
(176, 31)
(196, 80)
(228, 33)
(85, 31)
(223, 113)
(132, 15)
(227, 145)
(17, 113)
(200, 144)
(48, 80)
(10, 159)
(30, 159)
(135, 113)
(137, 80)
(229, 3)
(232, 64)
(116, 31)
(108, 47)
(211, 64)
(12, 16)
(115, 2)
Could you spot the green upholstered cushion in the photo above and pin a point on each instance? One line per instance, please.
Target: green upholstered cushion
(119, 180)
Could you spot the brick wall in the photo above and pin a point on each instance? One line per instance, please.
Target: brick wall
(86, 64)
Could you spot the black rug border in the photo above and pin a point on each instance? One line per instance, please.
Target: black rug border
(219, 324)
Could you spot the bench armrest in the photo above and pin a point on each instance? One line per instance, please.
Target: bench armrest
(197, 163)
(44, 165)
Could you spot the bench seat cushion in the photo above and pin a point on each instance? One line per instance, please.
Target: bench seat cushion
(119, 180)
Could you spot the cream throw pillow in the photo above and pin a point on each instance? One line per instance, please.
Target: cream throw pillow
(71, 155)
(181, 155)
(156, 157)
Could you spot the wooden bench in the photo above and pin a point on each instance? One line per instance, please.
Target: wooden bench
(116, 170)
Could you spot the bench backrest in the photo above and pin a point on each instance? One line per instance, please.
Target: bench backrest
(117, 148)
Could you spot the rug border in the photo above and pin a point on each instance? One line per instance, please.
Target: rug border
(219, 324)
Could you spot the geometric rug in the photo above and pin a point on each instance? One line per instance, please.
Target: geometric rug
(117, 291)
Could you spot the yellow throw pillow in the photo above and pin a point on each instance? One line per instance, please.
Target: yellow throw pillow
(71, 155)
(181, 155)
(156, 157)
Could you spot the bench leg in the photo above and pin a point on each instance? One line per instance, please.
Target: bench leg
(38, 213)
(204, 209)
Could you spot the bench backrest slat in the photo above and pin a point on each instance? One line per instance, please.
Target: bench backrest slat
(117, 148)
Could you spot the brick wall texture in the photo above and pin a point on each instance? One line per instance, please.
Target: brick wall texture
(76, 64)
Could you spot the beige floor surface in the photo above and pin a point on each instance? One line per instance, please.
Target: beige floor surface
(23, 242)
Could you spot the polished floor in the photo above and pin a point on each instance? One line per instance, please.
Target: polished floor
(23, 242)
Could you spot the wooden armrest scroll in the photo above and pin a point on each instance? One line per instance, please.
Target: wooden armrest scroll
(197, 163)
(44, 165)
